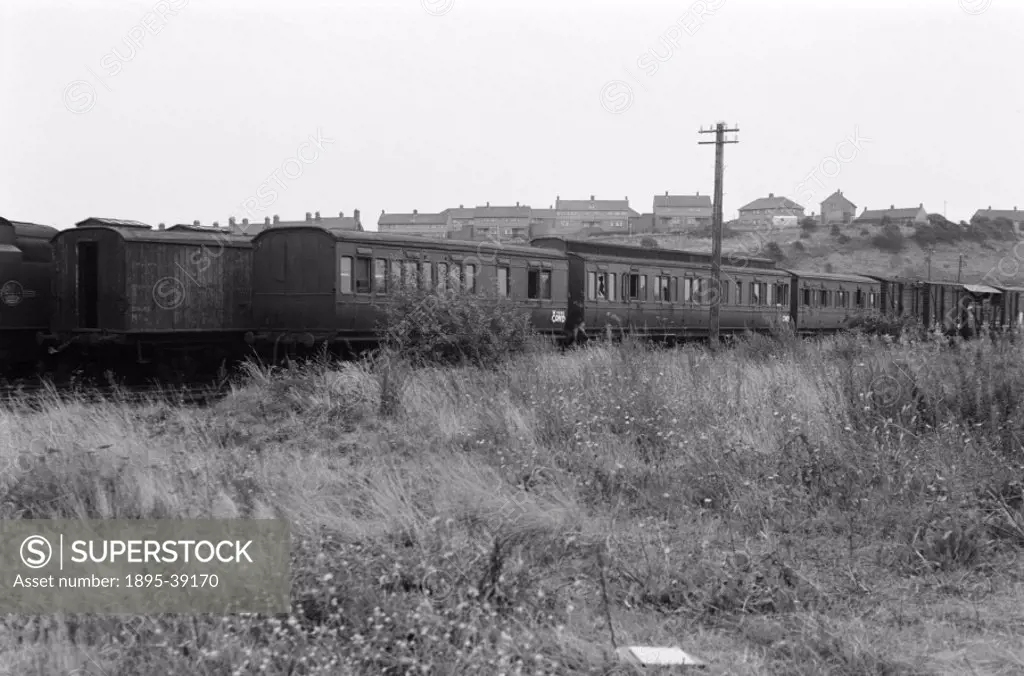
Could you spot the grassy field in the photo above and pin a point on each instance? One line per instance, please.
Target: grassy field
(845, 506)
(821, 251)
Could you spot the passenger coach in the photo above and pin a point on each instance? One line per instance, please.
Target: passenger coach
(665, 294)
(824, 302)
(313, 285)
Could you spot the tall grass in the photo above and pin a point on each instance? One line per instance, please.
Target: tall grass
(849, 505)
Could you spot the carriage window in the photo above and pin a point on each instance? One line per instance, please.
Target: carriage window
(611, 285)
(425, 269)
(591, 286)
(409, 275)
(471, 278)
(455, 277)
(442, 276)
(739, 292)
(346, 274)
(755, 293)
(823, 298)
(602, 286)
(806, 297)
(687, 289)
(769, 290)
(661, 288)
(504, 283)
(635, 286)
(363, 274)
(858, 298)
(871, 299)
(782, 294)
(538, 284)
(380, 275)
(396, 274)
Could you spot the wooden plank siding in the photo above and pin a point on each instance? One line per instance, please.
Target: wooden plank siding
(826, 302)
(156, 282)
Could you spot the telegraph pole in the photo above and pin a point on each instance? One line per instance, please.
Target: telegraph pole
(716, 226)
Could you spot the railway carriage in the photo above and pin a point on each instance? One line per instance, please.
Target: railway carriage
(1011, 307)
(25, 267)
(170, 301)
(824, 302)
(665, 294)
(313, 285)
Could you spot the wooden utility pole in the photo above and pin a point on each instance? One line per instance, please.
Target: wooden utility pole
(716, 226)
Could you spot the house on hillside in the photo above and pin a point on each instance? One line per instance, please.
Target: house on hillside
(497, 224)
(765, 209)
(837, 209)
(1016, 218)
(341, 222)
(678, 212)
(421, 225)
(908, 216)
(543, 222)
(594, 215)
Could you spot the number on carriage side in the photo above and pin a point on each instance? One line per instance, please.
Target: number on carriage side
(558, 316)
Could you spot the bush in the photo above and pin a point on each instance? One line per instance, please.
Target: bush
(864, 232)
(842, 239)
(649, 243)
(805, 235)
(809, 224)
(774, 251)
(799, 246)
(835, 231)
(890, 239)
(453, 327)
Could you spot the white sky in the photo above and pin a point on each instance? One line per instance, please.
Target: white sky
(499, 101)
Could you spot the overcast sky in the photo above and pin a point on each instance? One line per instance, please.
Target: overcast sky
(180, 110)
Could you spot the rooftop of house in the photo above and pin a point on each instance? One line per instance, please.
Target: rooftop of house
(667, 201)
(992, 214)
(772, 202)
(339, 222)
(892, 212)
(838, 196)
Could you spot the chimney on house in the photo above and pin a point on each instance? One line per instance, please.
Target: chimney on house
(160, 227)
(771, 195)
(591, 198)
(341, 214)
(231, 222)
(195, 223)
(355, 215)
(461, 207)
(317, 215)
(488, 204)
(517, 203)
(920, 205)
(216, 224)
(666, 193)
(266, 221)
(245, 221)
(309, 217)
(277, 219)
(698, 193)
(891, 207)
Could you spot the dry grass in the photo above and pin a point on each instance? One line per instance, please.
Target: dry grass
(843, 506)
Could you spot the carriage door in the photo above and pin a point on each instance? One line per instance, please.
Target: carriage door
(88, 285)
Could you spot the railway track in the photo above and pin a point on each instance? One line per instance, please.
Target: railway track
(37, 395)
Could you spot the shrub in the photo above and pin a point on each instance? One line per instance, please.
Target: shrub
(453, 327)
(835, 231)
(805, 235)
(842, 239)
(890, 239)
(774, 251)
(809, 224)
(649, 242)
(799, 246)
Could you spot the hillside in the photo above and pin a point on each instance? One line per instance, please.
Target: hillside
(986, 251)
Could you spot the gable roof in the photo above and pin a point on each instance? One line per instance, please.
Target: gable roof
(772, 202)
(878, 214)
(1009, 214)
(339, 222)
(501, 212)
(593, 205)
(414, 218)
(672, 201)
(543, 213)
(841, 196)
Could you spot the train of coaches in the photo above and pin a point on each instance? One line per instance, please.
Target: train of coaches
(174, 302)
